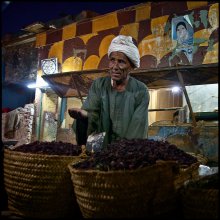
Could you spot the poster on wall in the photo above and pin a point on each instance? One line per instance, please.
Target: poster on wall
(182, 32)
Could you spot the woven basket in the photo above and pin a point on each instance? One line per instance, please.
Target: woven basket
(39, 186)
(121, 194)
(185, 174)
(200, 203)
(201, 158)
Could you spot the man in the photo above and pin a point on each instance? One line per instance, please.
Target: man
(116, 104)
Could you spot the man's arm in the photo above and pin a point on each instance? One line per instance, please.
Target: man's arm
(138, 126)
(92, 107)
(77, 113)
(86, 119)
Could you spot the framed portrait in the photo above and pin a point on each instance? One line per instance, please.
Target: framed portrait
(182, 30)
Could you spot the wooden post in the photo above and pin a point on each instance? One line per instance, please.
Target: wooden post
(74, 84)
(187, 98)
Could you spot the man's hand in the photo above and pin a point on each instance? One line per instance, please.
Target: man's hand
(77, 113)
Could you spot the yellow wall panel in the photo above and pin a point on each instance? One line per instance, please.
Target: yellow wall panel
(69, 31)
(203, 34)
(130, 29)
(86, 37)
(72, 64)
(41, 39)
(143, 12)
(191, 4)
(211, 56)
(157, 44)
(213, 16)
(157, 47)
(105, 22)
(103, 48)
(49, 102)
(145, 46)
(57, 51)
(158, 25)
(91, 63)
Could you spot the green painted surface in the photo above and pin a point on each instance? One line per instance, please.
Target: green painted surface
(204, 17)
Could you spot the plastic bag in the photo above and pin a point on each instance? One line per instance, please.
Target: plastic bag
(95, 142)
(206, 170)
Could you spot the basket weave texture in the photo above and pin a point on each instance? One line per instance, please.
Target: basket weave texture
(201, 158)
(39, 186)
(200, 198)
(144, 192)
(185, 174)
(201, 203)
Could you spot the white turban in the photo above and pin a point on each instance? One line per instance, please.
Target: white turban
(125, 45)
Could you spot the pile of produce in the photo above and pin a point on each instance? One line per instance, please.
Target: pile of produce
(50, 148)
(133, 154)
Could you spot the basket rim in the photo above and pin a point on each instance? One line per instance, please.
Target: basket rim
(19, 153)
(196, 154)
(159, 163)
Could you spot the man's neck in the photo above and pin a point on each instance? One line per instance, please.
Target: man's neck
(119, 86)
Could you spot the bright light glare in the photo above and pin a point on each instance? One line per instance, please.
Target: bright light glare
(32, 86)
(35, 85)
(40, 83)
(175, 89)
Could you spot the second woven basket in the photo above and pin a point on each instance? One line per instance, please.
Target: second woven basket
(143, 192)
(39, 186)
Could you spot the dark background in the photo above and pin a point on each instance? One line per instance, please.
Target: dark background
(17, 15)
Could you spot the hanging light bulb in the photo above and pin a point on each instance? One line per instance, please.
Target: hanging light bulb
(176, 89)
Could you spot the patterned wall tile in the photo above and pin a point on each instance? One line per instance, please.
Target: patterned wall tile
(54, 36)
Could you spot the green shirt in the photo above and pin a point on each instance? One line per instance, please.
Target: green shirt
(119, 114)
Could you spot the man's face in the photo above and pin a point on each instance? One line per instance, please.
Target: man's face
(119, 66)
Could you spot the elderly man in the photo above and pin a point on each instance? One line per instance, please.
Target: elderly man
(116, 104)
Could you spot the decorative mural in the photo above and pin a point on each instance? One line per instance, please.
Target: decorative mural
(157, 35)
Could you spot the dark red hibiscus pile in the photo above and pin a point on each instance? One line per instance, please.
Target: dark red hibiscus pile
(50, 148)
(133, 154)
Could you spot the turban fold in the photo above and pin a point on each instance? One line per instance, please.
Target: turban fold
(125, 45)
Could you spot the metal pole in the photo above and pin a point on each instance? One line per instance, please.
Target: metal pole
(187, 98)
(40, 117)
(165, 109)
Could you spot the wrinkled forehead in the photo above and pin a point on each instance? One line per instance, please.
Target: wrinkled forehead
(118, 55)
